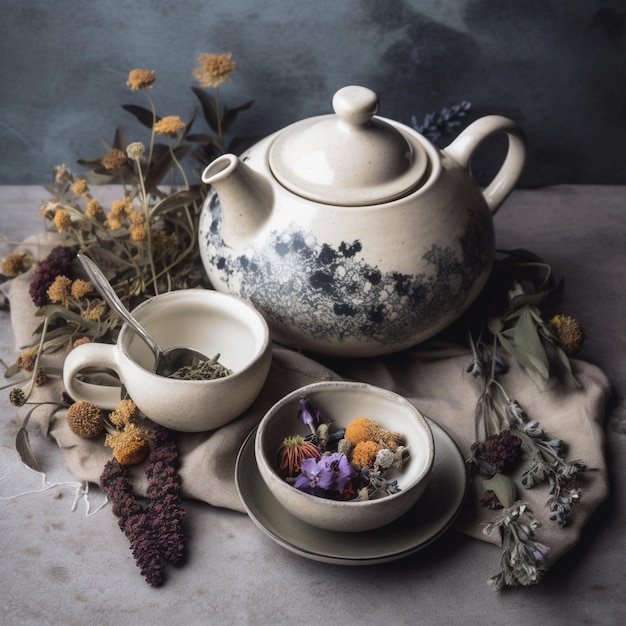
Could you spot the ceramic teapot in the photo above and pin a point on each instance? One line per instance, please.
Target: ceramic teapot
(351, 233)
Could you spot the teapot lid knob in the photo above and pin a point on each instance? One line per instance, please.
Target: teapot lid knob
(351, 158)
(355, 105)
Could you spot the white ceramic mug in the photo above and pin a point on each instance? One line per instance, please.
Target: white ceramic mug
(206, 320)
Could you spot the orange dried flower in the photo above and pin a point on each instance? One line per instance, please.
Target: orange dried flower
(138, 230)
(364, 453)
(570, 333)
(80, 187)
(59, 290)
(120, 209)
(130, 445)
(169, 125)
(62, 220)
(17, 263)
(125, 412)
(26, 360)
(80, 341)
(80, 288)
(133, 452)
(141, 79)
(113, 160)
(214, 69)
(365, 429)
(95, 310)
(94, 208)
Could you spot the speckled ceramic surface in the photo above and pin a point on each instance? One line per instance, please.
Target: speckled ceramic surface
(424, 523)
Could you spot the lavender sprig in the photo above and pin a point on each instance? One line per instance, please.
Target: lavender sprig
(547, 465)
(522, 560)
(440, 123)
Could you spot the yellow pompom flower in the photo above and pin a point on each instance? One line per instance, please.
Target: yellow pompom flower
(113, 160)
(169, 125)
(141, 79)
(62, 220)
(80, 288)
(17, 263)
(59, 290)
(214, 69)
(94, 208)
(80, 187)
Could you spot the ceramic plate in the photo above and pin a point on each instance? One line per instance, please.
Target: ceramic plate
(433, 514)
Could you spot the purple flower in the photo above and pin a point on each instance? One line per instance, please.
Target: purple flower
(325, 476)
(309, 414)
(540, 552)
(58, 262)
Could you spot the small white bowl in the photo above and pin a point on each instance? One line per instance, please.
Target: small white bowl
(342, 402)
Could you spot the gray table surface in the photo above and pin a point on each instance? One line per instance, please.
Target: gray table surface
(62, 566)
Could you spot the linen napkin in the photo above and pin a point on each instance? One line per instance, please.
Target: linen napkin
(432, 378)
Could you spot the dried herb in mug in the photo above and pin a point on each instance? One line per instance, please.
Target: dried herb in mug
(210, 369)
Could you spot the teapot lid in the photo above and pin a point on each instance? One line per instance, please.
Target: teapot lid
(351, 158)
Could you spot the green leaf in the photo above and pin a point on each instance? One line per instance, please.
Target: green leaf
(230, 115)
(11, 370)
(209, 107)
(120, 141)
(527, 340)
(143, 115)
(520, 357)
(22, 445)
(561, 367)
(504, 488)
(176, 200)
(192, 119)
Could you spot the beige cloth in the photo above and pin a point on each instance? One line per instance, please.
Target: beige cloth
(434, 380)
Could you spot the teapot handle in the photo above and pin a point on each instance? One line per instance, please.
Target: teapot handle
(463, 147)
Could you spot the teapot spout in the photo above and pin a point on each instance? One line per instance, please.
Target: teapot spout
(245, 197)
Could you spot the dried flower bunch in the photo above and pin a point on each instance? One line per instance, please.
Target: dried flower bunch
(145, 241)
(344, 464)
(511, 451)
(155, 531)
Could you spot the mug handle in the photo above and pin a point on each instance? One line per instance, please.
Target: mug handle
(92, 355)
(463, 147)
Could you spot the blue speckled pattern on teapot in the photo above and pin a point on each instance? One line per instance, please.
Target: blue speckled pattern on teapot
(332, 295)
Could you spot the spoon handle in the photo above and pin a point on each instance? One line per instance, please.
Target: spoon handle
(108, 293)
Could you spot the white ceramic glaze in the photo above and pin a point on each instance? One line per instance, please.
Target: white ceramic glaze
(209, 321)
(342, 402)
(352, 233)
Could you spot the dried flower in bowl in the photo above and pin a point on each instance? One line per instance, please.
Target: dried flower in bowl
(341, 464)
(329, 485)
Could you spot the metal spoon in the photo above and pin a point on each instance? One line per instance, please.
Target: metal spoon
(166, 362)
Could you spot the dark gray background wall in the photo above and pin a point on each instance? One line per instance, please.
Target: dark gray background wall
(558, 67)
